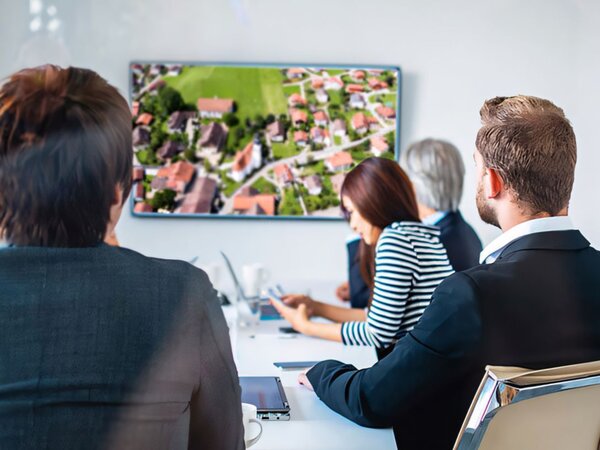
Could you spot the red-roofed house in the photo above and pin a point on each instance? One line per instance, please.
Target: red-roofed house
(373, 123)
(359, 123)
(284, 174)
(376, 84)
(142, 207)
(321, 118)
(295, 72)
(144, 119)
(300, 138)
(298, 116)
(386, 112)
(339, 161)
(379, 145)
(214, 107)
(177, 176)
(334, 83)
(246, 160)
(296, 99)
(317, 83)
(354, 88)
(251, 203)
(319, 135)
(358, 75)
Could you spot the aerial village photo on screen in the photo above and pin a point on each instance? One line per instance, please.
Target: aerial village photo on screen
(255, 141)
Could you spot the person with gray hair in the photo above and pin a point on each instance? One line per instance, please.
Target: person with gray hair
(436, 170)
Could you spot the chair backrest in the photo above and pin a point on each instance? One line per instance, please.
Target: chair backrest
(553, 409)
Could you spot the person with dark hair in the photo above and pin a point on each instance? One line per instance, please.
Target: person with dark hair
(436, 171)
(402, 259)
(100, 347)
(533, 303)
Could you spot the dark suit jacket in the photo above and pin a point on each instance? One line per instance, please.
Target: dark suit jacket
(105, 348)
(461, 243)
(537, 306)
(460, 240)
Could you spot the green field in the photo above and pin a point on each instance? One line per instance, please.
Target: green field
(289, 90)
(314, 168)
(386, 99)
(229, 186)
(284, 149)
(254, 90)
(264, 186)
(334, 72)
(290, 206)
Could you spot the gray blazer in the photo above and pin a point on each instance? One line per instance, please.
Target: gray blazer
(105, 348)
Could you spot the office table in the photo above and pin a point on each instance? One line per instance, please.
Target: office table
(312, 425)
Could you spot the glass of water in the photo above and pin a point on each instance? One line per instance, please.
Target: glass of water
(248, 311)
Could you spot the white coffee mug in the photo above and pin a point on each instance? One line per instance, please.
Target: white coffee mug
(254, 277)
(248, 417)
(212, 270)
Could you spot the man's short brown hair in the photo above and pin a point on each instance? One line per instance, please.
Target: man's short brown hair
(531, 144)
(65, 145)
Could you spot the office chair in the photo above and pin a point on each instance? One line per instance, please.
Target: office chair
(522, 409)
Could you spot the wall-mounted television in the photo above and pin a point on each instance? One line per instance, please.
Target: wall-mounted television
(256, 141)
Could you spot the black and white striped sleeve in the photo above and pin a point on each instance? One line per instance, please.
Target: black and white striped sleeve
(395, 265)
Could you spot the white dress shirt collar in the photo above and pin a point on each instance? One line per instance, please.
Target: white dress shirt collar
(493, 250)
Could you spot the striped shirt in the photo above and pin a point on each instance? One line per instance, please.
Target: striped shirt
(410, 262)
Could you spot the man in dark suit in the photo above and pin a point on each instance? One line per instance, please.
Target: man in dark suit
(535, 302)
(436, 170)
(100, 347)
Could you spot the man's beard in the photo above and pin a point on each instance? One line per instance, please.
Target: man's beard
(487, 214)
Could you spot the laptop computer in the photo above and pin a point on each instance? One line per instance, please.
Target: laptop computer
(267, 394)
(267, 311)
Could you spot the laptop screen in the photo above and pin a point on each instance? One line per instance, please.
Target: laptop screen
(263, 392)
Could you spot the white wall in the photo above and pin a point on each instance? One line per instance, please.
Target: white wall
(453, 54)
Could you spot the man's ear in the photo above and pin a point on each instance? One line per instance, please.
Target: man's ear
(494, 183)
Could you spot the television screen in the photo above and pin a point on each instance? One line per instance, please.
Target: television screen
(234, 140)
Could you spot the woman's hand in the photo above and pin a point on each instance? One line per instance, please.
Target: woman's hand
(295, 300)
(303, 379)
(343, 292)
(297, 317)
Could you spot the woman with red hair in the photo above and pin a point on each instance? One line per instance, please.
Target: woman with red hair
(402, 261)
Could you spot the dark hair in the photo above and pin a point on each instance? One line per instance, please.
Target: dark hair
(531, 144)
(382, 193)
(65, 145)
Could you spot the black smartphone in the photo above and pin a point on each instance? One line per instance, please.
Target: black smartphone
(288, 330)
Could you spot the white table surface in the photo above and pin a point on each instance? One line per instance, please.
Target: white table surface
(312, 425)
